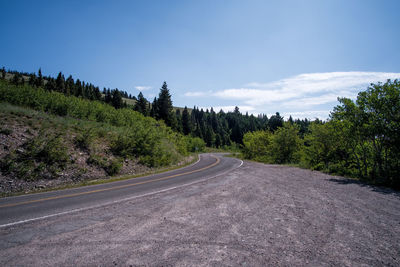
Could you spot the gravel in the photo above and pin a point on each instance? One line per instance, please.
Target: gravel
(256, 215)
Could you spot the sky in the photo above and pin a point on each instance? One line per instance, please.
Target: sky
(292, 57)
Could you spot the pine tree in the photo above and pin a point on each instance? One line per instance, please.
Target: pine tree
(107, 96)
(69, 85)
(164, 106)
(141, 104)
(32, 79)
(50, 85)
(117, 99)
(186, 124)
(60, 83)
(39, 80)
(275, 122)
(77, 87)
(153, 110)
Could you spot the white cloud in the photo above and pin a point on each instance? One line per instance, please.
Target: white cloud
(143, 88)
(198, 93)
(309, 114)
(194, 94)
(301, 93)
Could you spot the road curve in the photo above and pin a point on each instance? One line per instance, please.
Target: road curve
(21, 209)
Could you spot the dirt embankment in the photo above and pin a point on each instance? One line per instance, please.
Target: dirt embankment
(257, 215)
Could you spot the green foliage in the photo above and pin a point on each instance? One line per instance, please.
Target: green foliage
(195, 144)
(256, 145)
(111, 166)
(114, 167)
(138, 136)
(362, 139)
(85, 139)
(285, 144)
(282, 146)
(41, 157)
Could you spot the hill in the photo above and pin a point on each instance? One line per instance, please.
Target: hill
(49, 139)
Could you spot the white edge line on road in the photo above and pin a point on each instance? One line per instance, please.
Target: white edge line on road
(117, 201)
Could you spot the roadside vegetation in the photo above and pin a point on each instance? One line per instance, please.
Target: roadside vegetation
(47, 135)
(361, 139)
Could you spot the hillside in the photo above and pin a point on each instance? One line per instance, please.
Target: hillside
(48, 139)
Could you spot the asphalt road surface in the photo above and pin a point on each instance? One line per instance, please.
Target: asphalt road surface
(20, 209)
(255, 215)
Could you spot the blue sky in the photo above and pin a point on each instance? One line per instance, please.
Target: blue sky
(295, 57)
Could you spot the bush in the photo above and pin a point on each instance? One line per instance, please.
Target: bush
(41, 157)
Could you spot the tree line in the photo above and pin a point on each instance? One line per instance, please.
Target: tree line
(68, 86)
(217, 129)
(360, 139)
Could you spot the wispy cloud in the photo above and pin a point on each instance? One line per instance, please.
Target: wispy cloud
(309, 94)
(143, 88)
(198, 93)
(194, 94)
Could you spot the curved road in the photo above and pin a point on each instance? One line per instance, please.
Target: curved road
(255, 215)
(21, 209)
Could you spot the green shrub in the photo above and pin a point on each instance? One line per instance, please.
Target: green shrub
(114, 167)
(41, 157)
(85, 139)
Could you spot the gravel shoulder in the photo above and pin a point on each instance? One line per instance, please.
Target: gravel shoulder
(255, 215)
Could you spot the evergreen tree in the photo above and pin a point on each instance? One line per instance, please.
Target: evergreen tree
(50, 85)
(275, 122)
(164, 106)
(117, 99)
(39, 80)
(178, 117)
(69, 85)
(153, 110)
(60, 83)
(186, 124)
(32, 79)
(108, 96)
(141, 104)
(78, 88)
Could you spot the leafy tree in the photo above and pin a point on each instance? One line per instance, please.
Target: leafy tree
(285, 144)
(256, 145)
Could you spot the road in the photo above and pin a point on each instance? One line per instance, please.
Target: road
(255, 215)
(20, 209)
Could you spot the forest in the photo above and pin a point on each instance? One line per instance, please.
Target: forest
(361, 139)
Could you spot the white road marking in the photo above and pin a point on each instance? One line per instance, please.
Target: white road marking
(117, 201)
